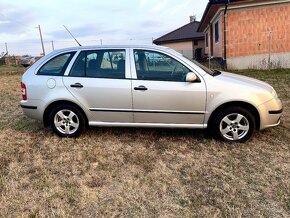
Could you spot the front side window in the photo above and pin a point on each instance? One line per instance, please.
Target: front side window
(57, 65)
(100, 64)
(151, 65)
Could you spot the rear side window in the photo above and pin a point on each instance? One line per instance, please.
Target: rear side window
(57, 65)
(100, 64)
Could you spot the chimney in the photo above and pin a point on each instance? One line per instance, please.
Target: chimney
(192, 18)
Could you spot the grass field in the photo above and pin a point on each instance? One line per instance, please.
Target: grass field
(123, 172)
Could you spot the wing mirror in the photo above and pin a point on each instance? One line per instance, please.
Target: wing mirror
(191, 77)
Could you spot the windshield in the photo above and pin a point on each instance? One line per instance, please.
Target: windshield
(207, 70)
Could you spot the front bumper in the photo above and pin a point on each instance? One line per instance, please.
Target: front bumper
(270, 113)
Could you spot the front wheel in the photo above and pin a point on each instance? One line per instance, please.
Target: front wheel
(66, 121)
(234, 124)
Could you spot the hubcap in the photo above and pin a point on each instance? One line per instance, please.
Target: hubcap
(234, 126)
(66, 121)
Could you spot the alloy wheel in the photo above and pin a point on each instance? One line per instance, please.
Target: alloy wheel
(66, 121)
(234, 126)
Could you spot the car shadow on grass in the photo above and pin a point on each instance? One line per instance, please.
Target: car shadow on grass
(160, 138)
(25, 124)
(131, 135)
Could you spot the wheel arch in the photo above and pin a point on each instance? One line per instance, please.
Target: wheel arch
(54, 104)
(252, 109)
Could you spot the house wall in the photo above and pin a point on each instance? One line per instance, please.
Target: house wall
(185, 48)
(255, 34)
(218, 47)
(215, 49)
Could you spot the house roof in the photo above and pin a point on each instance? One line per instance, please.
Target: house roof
(184, 33)
(214, 5)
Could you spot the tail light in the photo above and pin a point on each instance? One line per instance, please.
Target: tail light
(23, 90)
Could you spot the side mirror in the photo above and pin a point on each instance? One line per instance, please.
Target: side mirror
(191, 77)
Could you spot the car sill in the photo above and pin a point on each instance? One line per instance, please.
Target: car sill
(149, 125)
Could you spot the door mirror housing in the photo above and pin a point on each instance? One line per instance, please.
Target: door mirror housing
(191, 77)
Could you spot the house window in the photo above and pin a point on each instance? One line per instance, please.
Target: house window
(195, 42)
(206, 40)
(216, 31)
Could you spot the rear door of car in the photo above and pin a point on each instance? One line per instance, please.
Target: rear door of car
(100, 80)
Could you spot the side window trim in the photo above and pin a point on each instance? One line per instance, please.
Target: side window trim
(72, 61)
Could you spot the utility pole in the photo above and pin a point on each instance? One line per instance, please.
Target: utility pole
(43, 52)
(52, 45)
(6, 48)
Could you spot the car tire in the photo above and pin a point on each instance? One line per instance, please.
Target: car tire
(234, 124)
(67, 121)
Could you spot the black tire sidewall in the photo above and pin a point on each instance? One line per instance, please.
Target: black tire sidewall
(79, 114)
(230, 110)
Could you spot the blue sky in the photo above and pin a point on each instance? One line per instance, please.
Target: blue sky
(113, 22)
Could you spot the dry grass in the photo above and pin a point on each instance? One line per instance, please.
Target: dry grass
(140, 172)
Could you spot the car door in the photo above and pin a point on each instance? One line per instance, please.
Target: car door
(98, 80)
(160, 93)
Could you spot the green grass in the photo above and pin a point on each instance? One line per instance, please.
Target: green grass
(139, 172)
(11, 69)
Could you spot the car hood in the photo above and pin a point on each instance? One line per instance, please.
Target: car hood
(245, 81)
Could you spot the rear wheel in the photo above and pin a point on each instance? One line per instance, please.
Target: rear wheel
(66, 121)
(234, 124)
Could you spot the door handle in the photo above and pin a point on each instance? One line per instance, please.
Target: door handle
(76, 85)
(142, 88)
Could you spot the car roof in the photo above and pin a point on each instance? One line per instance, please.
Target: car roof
(111, 46)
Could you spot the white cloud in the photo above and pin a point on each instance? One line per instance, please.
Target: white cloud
(160, 6)
(90, 21)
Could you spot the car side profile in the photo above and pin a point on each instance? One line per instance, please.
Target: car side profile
(144, 86)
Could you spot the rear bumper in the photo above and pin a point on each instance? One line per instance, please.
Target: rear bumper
(28, 107)
(33, 109)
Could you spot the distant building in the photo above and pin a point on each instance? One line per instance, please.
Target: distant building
(185, 40)
(253, 34)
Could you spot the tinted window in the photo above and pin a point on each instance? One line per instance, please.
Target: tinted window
(100, 64)
(78, 68)
(151, 65)
(57, 65)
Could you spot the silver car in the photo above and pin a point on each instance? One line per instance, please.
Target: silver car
(72, 88)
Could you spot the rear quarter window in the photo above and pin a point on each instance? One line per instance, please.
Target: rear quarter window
(57, 65)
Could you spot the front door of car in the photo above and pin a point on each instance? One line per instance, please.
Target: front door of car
(98, 81)
(160, 93)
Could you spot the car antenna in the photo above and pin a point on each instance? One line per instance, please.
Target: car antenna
(72, 35)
